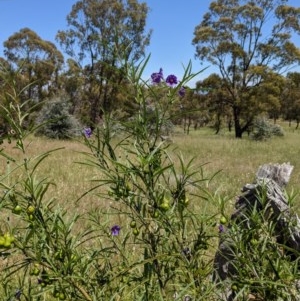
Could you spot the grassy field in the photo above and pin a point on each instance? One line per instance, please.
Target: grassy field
(238, 159)
(234, 160)
(234, 163)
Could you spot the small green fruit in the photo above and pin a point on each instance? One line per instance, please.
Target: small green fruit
(55, 293)
(165, 205)
(30, 209)
(234, 287)
(35, 271)
(9, 239)
(254, 242)
(17, 209)
(62, 296)
(136, 231)
(223, 220)
(155, 214)
(133, 224)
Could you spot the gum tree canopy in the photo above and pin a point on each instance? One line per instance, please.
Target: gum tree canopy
(39, 60)
(246, 41)
(101, 34)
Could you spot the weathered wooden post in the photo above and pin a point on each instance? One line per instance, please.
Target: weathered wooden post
(272, 178)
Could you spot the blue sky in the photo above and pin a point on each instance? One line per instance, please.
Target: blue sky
(173, 24)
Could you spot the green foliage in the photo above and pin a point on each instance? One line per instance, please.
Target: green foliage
(38, 59)
(150, 244)
(225, 38)
(56, 122)
(291, 97)
(263, 129)
(144, 240)
(154, 198)
(265, 268)
(101, 36)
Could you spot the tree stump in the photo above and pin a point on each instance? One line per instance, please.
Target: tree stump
(272, 178)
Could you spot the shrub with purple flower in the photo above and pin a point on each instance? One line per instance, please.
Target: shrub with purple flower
(142, 187)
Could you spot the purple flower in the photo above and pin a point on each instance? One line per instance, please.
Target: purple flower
(115, 230)
(171, 80)
(157, 77)
(181, 91)
(221, 228)
(18, 294)
(186, 251)
(87, 132)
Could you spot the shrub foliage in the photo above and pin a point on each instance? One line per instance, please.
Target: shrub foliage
(56, 122)
(148, 240)
(263, 130)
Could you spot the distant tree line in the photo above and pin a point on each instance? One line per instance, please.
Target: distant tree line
(250, 43)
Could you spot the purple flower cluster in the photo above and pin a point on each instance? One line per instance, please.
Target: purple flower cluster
(171, 80)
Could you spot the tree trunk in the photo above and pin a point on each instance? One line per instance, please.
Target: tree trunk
(229, 124)
(237, 125)
(189, 125)
(218, 124)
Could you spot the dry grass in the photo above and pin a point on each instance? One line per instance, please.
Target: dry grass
(239, 159)
(70, 178)
(236, 160)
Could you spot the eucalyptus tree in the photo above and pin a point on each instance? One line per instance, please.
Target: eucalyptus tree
(102, 36)
(73, 79)
(245, 40)
(38, 60)
(188, 109)
(215, 99)
(6, 89)
(266, 97)
(291, 98)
